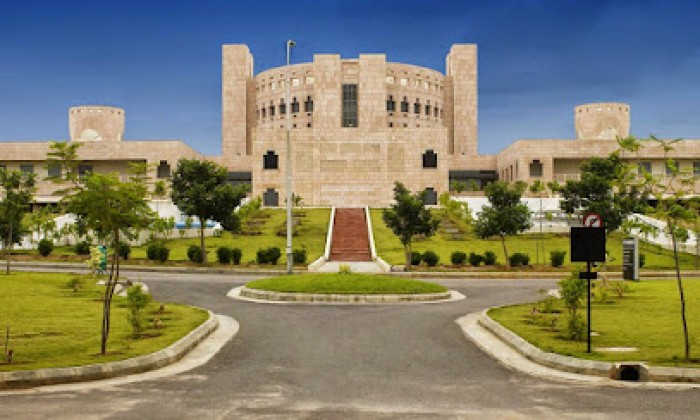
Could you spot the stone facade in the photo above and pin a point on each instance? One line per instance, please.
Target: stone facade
(356, 126)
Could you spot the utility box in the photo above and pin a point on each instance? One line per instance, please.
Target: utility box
(630, 259)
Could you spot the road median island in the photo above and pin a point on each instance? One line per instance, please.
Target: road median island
(343, 288)
(636, 334)
(51, 331)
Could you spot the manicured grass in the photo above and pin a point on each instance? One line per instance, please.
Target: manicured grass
(390, 249)
(351, 283)
(647, 317)
(311, 234)
(51, 326)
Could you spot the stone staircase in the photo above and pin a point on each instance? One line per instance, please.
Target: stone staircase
(350, 241)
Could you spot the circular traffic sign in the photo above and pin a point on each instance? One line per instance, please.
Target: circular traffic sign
(592, 220)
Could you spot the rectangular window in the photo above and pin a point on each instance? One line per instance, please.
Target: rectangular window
(163, 169)
(404, 105)
(416, 107)
(272, 110)
(390, 104)
(270, 160)
(27, 169)
(283, 108)
(427, 110)
(644, 167)
(84, 170)
(3, 167)
(350, 105)
(309, 104)
(535, 169)
(54, 170)
(696, 168)
(295, 106)
(671, 167)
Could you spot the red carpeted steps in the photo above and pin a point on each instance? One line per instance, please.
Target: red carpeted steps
(350, 241)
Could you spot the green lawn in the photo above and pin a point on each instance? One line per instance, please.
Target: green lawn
(351, 283)
(390, 249)
(51, 326)
(647, 317)
(311, 234)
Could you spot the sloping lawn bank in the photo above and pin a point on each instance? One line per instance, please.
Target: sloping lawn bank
(351, 283)
(390, 249)
(53, 326)
(647, 317)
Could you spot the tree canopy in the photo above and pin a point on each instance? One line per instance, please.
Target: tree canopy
(16, 197)
(408, 217)
(201, 189)
(505, 216)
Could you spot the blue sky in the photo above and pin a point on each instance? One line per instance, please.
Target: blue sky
(161, 60)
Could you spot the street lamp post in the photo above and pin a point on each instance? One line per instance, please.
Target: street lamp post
(288, 171)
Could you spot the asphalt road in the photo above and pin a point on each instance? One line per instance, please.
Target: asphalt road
(297, 361)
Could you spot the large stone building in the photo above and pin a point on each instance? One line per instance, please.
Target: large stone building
(356, 127)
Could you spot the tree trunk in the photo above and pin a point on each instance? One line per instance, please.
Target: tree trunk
(505, 250)
(109, 293)
(407, 253)
(201, 240)
(682, 295)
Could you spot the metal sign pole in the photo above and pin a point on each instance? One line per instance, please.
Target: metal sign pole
(588, 322)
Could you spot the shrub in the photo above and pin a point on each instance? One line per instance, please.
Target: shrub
(268, 255)
(416, 258)
(458, 258)
(642, 260)
(224, 255)
(556, 258)
(82, 248)
(194, 254)
(430, 258)
(136, 300)
(519, 259)
(45, 247)
(344, 269)
(124, 250)
(236, 255)
(299, 256)
(157, 251)
(489, 258)
(75, 283)
(475, 259)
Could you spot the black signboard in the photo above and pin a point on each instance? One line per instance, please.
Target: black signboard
(587, 244)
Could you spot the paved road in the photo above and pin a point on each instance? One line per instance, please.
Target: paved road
(292, 361)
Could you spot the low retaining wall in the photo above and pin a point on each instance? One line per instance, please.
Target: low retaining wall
(164, 357)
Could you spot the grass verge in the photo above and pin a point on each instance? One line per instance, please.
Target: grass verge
(647, 317)
(53, 326)
(351, 283)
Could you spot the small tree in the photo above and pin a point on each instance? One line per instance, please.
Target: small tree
(409, 217)
(669, 193)
(136, 301)
(201, 189)
(505, 216)
(16, 194)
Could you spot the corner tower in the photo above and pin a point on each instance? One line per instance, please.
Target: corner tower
(602, 120)
(237, 102)
(461, 99)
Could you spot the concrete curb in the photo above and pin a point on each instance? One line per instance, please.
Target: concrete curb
(587, 367)
(149, 268)
(164, 357)
(279, 297)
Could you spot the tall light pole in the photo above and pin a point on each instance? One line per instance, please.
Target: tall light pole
(288, 170)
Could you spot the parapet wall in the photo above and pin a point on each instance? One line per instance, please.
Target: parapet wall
(602, 120)
(96, 123)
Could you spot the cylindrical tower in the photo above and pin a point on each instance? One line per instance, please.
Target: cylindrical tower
(96, 123)
(602, 120)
